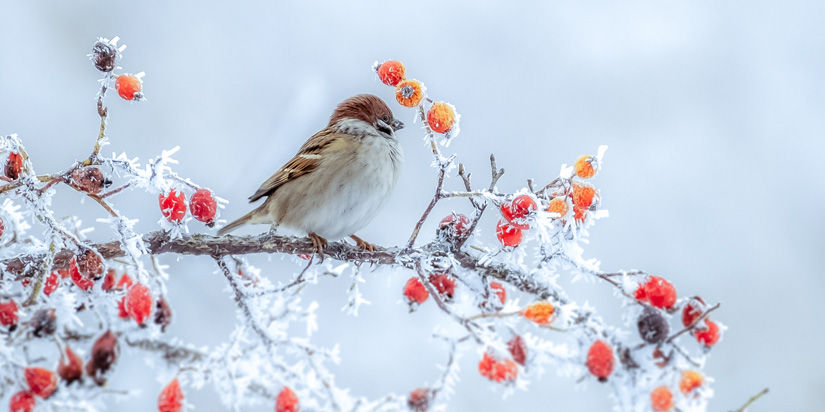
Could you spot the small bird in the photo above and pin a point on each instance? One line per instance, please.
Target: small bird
(339, 179)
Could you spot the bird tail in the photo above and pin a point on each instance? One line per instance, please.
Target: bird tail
(238, 223)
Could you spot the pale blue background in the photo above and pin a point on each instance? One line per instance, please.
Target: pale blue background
(713, 112)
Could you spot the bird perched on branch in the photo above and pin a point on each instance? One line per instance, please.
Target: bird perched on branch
(339, 179)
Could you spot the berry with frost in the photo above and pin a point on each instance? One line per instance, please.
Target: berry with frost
(105, 352)
(163, 314)
(443, 283)
(692, 311)
(653, 327)
(558, 205)
(138, 302)
(104, 54)
(129, 87)
(42, 382)
(497, 370)
(70, 368)
(203, 206)
(691, 380)
(540, 312)
(22, 401)
(579, 214)
(415, 292)
(661, 399)
(391, 72)
(8, 314)
(51, 284)
(287, 401)
(2, 227)
(108, 280)
(14, 165)
(658, 292)
(125, 282)
(600, 360)
(409, 93)
(518, 349)
(586, 166)
(709, 335)
(441, 117)
(121, 308)
(90, 264)
(507, 234)
(81, 281)
(90, 180)
(454, 226)
(584, 196)
(498, 289)
(516, 211)
(171, 397)
(173, 206)
(44, 322)
(419, 400)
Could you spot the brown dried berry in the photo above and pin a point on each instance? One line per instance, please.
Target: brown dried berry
(105, 352)
(419, 400)
(90, 180)
(90, 264)
(518, 349)
(653, 327)
(44, 322)
(14, 166)
(104, 55)
(163, 314)
(70, 367)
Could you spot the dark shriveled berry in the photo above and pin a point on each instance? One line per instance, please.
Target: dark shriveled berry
(653, 327)
(419, 400)
(104, 55)
(44, 322)
(105, 352)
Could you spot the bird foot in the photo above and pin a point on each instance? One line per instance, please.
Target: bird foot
(319, 243)
(363, 244)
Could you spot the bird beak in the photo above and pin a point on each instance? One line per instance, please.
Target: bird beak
(397, 125)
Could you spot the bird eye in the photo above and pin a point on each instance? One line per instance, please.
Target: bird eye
(385, 118)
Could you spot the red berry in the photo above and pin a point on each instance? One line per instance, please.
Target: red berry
(518, 349)
(129, 87)
(173, 206)
(507, 234)
(419, 400)
(517, 209)
(600, 360)
(287, 401)
(22, 401)
(658, 292)
(125, 282)
(443, 284)
(454, 225)
(2, 227)
(171, 397)
(8, 314)
(42, 382)
(203, 206)
(14, 166)
(692, 311)
(391, 72)
(415, 292)
(138, 302)
(499, 290)
(108, 280)
(70, 368)
(661, 399)
(121, 308)
(52, 282)
(497, 370)
(709, 336)
(81, 281)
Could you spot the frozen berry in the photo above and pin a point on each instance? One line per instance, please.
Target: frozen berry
(2, 227)
(455, 225)
(90, 264)
(103, 55)
(443, 284)
(661, 399)
(8, 314)
(173, 206)
(658, 292)
(541, 313)
(163, 314)
(171, 397)
(498, 289)
(51, 284)
(507, 234)
(203, 206)
(419, 400)
(108, 280)
(579, 214)
(81, 281)
(90, 180)
(70, 368)
(121, 308)
(691, 380)
(22, 401)
(441, 117)
(44, 322)
(584, 196)
(391, 72)
(653, 327)
(409, 93)
(497, 370)
(125, 282)
(129, 87)
(14, 166)
(105, 352)
(516, 210)
(518, 349)
(42, 382)
(692, 311)
(558, 205)
(415, 292)
(709, 335)
(586, 166)
(138, 302)
(600, 360)
(287, 401)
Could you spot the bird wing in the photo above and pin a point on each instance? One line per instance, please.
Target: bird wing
(307, 160)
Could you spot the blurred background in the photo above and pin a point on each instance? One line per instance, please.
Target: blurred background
(713, 113)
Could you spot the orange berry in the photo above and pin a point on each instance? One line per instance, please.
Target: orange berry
(584, 196)
(586, 167)
(499, 290)
(558, 205)
(691, 380)
(441, 117)
(409, 93)
(661, 399)
(391, 72)
(129, 87)
(541, 312)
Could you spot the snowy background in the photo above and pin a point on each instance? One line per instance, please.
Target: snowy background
(713, 113)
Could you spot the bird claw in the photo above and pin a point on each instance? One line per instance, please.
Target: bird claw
(363, 244)
(319, 244)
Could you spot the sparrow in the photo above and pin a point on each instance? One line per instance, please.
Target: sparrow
(338, 180)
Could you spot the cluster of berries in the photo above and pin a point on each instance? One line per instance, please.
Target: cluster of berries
(104, 56)
(202, 205)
